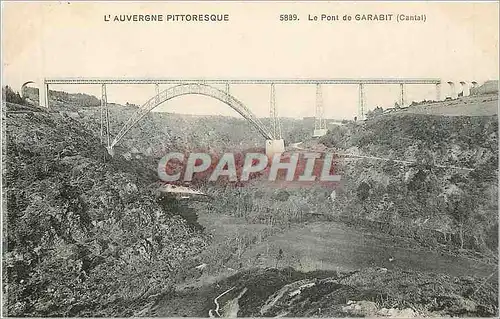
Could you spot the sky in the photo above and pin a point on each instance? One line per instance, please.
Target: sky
(457, 42)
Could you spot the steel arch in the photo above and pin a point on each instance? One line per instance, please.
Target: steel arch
(24, 86)
(185, 89)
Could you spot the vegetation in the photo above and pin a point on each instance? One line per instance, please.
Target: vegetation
(375, 112)
(8, 95)
(64, 99)
(371, 292)
(460, 206)
(88, 236)
(85, 237)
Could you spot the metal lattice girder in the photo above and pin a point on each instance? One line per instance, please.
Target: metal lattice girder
(361, 106)
(276, 123)
(105, 115)
(272, 111)
(192, 88)
(402, 97)
(157, 90)
(44, 95)
(451, 88)
(319, 122)
(70, 80)
(101, 109)
(464, 87)
(227, 90)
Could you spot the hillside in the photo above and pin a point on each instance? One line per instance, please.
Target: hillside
(488, 87)
(446, 193)
(85, 235)
(372, 292)
(472, 105)
(158, 132)
(88, 235)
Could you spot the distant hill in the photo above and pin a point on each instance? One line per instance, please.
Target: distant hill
(489, 87)
(61, 98)
(482, 101)
(473, 105)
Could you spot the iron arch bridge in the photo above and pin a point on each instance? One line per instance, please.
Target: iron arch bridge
(205, 86)
(186, 89)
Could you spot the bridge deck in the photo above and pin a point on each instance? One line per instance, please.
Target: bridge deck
(68, 80)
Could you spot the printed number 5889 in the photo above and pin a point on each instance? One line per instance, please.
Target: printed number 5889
(288, 17)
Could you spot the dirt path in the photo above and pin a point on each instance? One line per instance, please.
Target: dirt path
(347, 157)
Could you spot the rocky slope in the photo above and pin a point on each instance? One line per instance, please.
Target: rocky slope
(85, 235)
(365, 293)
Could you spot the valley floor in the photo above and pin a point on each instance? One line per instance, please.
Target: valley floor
(332, 249)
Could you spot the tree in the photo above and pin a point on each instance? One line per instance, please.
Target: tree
(363, 191)
(375, 112)
(10, 96)
(462, 207)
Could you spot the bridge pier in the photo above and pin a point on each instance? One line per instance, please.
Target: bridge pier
(452, 90)
(111, 151)
(105, 116)
(272, 109)
(273, 114)
(319, 122)
(438, 91)
(473, 87)
(361, 105)
(157, 92)
(274, 147)
(465, 88)
(43, 94)
(402, 97)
